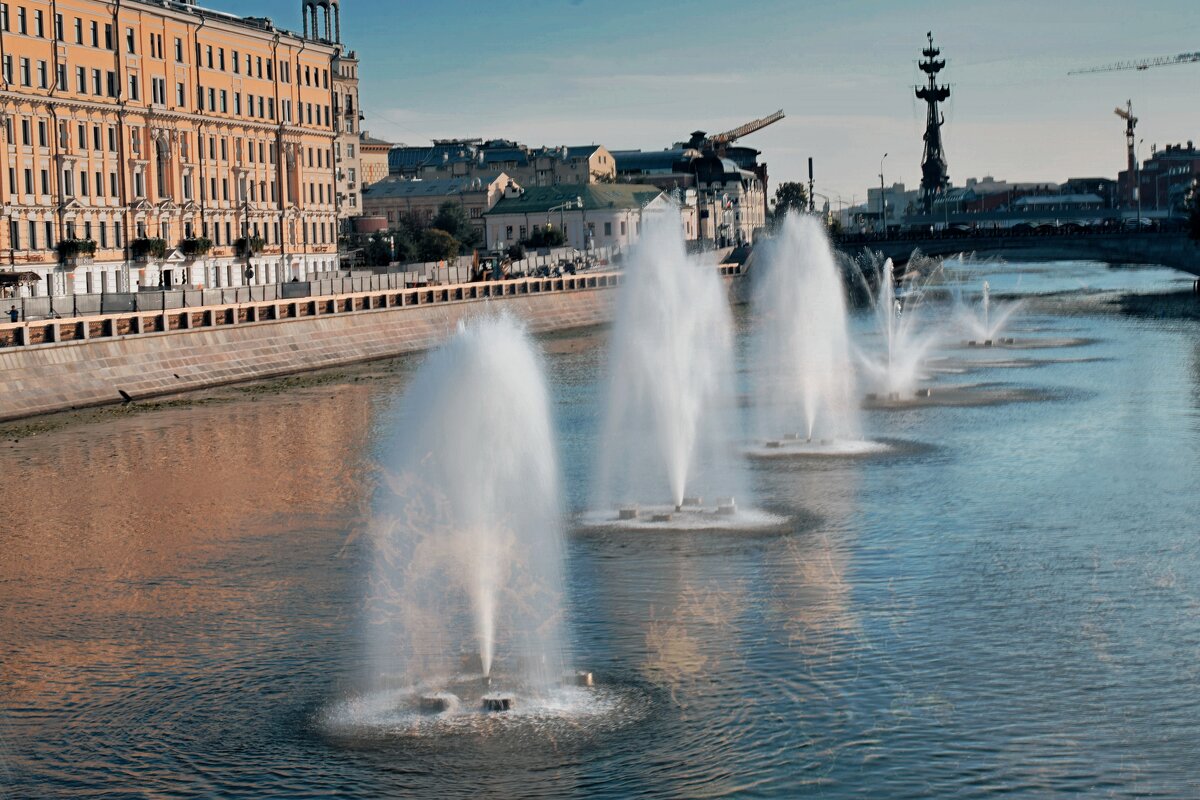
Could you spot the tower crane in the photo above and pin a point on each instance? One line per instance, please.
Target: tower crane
(1141, 64)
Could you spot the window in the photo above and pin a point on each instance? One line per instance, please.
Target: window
(237, 64)
(81, 80)
(39, 25)
(21, 27)
(26, 132)
(28, 181)
(62, 77)
(78, 31)
(49, 235)
(180, 95)
(43, 134)
(209, 53)
(221, 58)
(45, 180)
(43, 75)
(97, 86)
(179, 50)
(14, 229)
(111, 84)
(158, 90)
(108, 37)
(96, 139)
(58, 27)
(129, 41)
(83, 184)
(133, 87)
(32, 235)
(26, 77)
(95, 28)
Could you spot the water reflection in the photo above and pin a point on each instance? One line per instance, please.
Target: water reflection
(144, 555)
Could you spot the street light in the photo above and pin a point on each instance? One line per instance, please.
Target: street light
(561, 208)
(882, 198)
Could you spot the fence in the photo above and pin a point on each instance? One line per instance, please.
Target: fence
(399, 276)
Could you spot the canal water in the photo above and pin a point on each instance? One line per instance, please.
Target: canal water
(1006, 604)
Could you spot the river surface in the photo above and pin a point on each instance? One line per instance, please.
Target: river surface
(1007, 604)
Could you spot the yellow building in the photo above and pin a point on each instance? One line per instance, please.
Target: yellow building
(138, 120)
(373, 159)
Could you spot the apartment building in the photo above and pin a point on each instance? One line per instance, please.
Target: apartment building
(133, 121)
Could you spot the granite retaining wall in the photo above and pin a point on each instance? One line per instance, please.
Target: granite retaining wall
(74, 363)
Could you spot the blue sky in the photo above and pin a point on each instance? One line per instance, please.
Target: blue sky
(644, 74)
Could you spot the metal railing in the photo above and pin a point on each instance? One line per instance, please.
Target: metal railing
(397, 276)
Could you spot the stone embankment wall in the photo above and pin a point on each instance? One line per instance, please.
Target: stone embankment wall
(72, 363)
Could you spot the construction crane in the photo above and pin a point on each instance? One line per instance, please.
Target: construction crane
(719, 141)
(728, 137)
(1142, 64)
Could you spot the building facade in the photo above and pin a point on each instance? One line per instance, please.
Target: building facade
(347, 118)
(395, 199)
(476, 158)
(589, 216)
(140, 120)
(372, 159)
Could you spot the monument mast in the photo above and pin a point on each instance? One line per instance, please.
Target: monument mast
(934, 176)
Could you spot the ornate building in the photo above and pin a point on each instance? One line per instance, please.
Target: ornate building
(128, 122)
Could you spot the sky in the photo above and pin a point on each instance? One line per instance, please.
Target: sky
(643, 74)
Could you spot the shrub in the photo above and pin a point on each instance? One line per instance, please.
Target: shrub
(195, 246)
(148, 248)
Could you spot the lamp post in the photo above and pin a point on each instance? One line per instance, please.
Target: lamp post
(561, 208)
(882, 198)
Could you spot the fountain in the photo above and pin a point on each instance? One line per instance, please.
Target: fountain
(803, 373)
(984, 324)
(465, 603)
(667, 435)
(894, 371)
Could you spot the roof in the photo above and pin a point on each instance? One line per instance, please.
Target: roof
(371, 141)
(583, 151)
(445, 187)
(595, 196)
(661, 161)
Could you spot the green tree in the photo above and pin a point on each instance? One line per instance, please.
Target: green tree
(437, 245)
(452, 218)
(789, 196)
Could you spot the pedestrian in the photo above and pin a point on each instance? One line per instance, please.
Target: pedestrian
(13, 314)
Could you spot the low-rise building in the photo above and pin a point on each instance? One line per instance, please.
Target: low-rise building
(590, 216)
(731, 199)
(476, 158)
(398, 198)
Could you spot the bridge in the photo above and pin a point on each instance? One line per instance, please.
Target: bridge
(1168, 248)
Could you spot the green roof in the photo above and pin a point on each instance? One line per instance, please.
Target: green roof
(595, 196)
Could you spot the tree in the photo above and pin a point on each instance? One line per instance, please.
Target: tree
(789, 196)
(1194, 214)
(378, 250)
(452, 218)
(545, 237)
(438, 245)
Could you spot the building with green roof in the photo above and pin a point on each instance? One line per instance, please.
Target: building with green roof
(590, 215)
